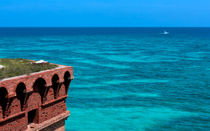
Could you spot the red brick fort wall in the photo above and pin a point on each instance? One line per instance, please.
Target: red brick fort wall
(33, 98)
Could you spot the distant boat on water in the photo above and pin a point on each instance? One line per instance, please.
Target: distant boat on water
(165, 33)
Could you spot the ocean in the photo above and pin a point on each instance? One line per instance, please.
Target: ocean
(126, 79)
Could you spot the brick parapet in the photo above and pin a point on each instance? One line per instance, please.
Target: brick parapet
(11, 83)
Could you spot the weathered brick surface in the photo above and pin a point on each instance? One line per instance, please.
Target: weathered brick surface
(17, 123)
(47, 112)
(38, 98)
(13, 107)
(50, 95)
(62, 91)
(34, 101)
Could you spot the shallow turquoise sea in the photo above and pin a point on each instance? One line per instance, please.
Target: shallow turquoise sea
(129, 79)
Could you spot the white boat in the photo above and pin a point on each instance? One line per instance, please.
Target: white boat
(165, 33)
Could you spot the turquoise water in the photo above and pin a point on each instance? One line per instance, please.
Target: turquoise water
(125, 78)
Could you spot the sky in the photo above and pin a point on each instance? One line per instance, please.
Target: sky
(104, 13)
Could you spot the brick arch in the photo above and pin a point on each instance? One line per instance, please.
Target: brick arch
(13, 83)
(67, 80)
(3, 100)
(39, 86)
(55, 85)
(67, 75)
(55, 79)
(34, 78)
(21, 94)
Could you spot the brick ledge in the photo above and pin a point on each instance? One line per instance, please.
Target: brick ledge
(37, 127)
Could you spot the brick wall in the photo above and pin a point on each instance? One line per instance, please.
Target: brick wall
(38, 97)
(51, 110)
(17, 123)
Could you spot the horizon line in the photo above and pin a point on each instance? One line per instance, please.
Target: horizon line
(104, 27)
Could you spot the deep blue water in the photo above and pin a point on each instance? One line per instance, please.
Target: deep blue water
(125, 78)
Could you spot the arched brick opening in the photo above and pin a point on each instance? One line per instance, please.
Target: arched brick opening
(55, 85)
(67, 80)
(21, 94)
(40, 86)
(3, 100)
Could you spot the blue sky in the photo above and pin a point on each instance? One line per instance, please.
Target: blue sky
(105, 13)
